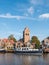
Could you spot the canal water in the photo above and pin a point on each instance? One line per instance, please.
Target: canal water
(13, 59)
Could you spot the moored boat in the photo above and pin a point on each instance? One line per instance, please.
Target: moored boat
(2, 50)
(27, 50)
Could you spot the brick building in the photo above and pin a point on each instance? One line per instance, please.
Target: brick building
(26, 35)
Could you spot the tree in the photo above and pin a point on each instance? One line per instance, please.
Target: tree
(37, 45)
(11, 37)
(35, 40)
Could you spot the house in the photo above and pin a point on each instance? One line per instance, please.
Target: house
(1, 44)
(33, 45)
(45, 45)
(18, 44)
(8, 44)
(45, 42)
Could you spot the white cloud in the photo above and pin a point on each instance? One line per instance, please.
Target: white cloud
(46, 15)
(18, 17)
(31, 10)
(8, 15)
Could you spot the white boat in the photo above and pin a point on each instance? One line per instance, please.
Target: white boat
(25, 50)
(2, 50)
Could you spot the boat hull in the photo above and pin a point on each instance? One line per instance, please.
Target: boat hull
(2, 51)
(29, 52)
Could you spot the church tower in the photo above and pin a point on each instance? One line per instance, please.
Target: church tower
(26, 35)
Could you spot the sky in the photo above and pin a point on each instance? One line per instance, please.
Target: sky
(15, 15)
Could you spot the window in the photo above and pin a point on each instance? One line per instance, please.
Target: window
(27, 34)
(46, 42)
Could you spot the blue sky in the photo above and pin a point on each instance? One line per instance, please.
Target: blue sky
(15, 15)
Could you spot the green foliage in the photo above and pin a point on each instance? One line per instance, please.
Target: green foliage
(35, 40)
(11, 37)
(37, 45)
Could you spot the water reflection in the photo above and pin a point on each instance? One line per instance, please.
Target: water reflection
(13, 59)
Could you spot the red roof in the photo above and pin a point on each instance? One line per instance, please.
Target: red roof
(5, 40)
(11, 41)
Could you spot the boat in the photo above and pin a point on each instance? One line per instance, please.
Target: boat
(28, 50)
(2, 50)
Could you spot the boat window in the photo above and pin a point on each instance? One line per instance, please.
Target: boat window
(18, 48)
(27, 48)
(24, 48)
